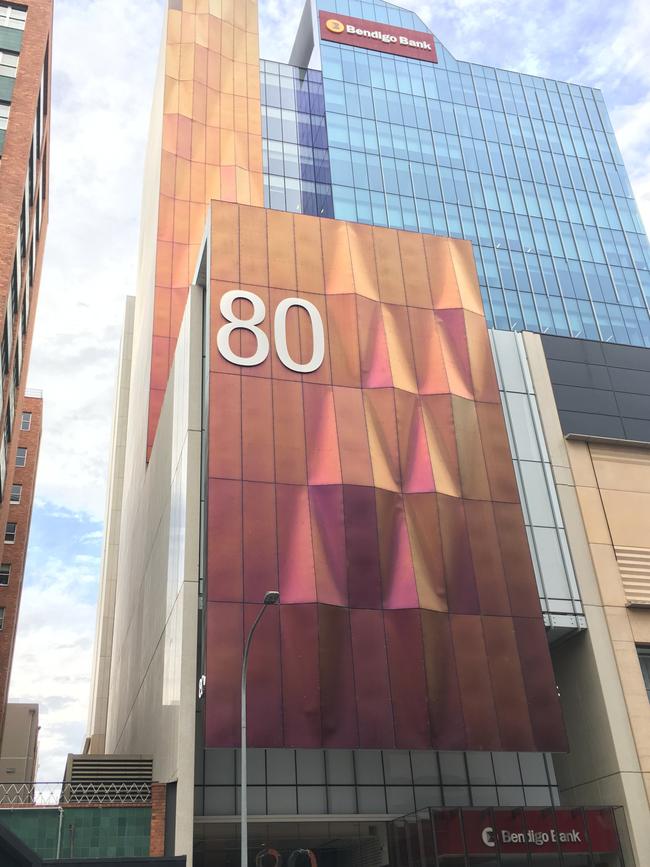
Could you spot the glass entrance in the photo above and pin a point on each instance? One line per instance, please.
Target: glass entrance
(550, 837)
(294, 844)
(461, 837)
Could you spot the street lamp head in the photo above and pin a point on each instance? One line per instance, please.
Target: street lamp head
(272, 597)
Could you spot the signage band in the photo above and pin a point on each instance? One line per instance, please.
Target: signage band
(358, 33)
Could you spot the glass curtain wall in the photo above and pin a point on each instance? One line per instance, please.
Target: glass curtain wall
(526, 168)
(296, 163)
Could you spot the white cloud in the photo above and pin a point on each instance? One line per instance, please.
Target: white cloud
(52, 657)
(104, 55)
(95, 536)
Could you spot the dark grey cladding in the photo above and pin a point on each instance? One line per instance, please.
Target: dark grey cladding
(601, 389)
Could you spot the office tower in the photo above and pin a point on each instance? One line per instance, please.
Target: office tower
(25, 33)
(323, 391)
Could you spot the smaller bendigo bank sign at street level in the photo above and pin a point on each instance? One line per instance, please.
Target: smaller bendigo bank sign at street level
(379, 37)
(519, 831)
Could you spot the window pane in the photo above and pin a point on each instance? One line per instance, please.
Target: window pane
(644, 659)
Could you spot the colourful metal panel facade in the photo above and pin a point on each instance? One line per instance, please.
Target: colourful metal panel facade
(377, 493)
(211, 149)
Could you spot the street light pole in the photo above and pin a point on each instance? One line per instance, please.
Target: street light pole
(270, 598)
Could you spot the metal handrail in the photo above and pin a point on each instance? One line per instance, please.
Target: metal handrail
(62, 794)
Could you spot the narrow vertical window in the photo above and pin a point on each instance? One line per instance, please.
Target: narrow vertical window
(644, 660)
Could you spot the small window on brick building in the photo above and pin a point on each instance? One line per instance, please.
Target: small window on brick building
(5, 572)
(10, 532)
(26, 421)
(2, 619)
(16, 494)
(21, 456)
(4, 349)
(13, 15)
(8, 63)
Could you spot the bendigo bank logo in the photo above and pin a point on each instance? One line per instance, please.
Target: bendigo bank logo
(334, 26)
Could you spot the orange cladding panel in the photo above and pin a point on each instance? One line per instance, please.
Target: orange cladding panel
(212, 149)
(375, 491)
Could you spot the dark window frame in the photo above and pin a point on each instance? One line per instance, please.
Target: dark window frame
(643, 652)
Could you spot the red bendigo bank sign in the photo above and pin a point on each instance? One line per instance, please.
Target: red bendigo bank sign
(378, 37)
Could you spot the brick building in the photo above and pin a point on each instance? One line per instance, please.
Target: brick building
(25, 33)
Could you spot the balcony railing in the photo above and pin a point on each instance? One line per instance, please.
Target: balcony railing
(72, 794)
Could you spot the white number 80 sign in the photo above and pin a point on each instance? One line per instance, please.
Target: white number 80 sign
(279, 331)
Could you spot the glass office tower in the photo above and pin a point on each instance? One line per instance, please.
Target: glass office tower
(526, 168)
(352, 446)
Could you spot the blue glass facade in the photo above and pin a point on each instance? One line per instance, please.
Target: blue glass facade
(296, 160)
(526, 168)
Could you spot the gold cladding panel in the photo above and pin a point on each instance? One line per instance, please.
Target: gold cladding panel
(212, 129)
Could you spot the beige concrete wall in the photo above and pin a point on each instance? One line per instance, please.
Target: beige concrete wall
(151, 687)
(153, 673)
(98, 706)
(613, 487)
(19, 744)
(127, 454)
(598, 673)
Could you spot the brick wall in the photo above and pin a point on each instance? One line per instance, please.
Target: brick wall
(35, 55)
(158, 807)
(15, 554)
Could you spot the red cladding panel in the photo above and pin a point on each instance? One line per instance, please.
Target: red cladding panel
(522, 831)
(377, 37)
(375, 491)
(601, 827)
(448, 832)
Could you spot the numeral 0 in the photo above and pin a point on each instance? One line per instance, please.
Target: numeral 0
(279, 331)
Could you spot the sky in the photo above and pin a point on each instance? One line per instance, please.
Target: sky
(104, 58)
